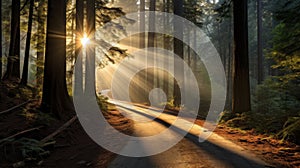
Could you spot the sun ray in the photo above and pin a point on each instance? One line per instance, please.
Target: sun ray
(85, 40)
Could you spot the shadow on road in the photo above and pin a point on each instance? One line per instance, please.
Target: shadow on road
(216, 152)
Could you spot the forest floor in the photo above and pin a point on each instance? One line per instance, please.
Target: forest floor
(276, 152)
(73, 147)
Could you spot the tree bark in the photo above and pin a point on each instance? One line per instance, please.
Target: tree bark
(151, 34)
(142, 25)
(151, 44)
(178, 50)
(241, 86)
(229, 69)
(0, 40)
(40, 43)
(24, 79)
(260, 69)
(55, 95)
(78, 45)
(13, 62)
(166, 46)
(90, 56)
(142, 45)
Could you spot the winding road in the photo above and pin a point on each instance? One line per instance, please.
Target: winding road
(189, 152)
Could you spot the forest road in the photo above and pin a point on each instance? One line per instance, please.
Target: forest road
(189, 152)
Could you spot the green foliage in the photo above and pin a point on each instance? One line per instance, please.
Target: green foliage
(286, 38)
(23, 93)
(37, 117)
(170, 104)
(273, 97)
(275, 111)
(198, 12)
(114, 55)
(291, 129)
(3, 60)
(247, 121)
(31, 148)
(286, 11)
(102, 102)
(276, 102)
(224, 8)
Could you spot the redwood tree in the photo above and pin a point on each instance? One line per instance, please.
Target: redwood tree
(178, 49)
(13, 62)
(40, 46)
(142, 45)
(151, 43)
(55, 95)
(142, 25)
(241, 86)
(260, 69)
(90, 56)
(78, 48)
(166, 45)
(27, 47)
(0, 40)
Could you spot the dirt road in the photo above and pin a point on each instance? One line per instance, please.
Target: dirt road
(189, 152)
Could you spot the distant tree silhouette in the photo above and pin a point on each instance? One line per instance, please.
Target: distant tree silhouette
(178, 48)
(24, 79)
(90, 57)
(13, 62)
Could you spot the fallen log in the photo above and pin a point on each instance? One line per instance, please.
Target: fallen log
(19, 133)
(15, 107)
(59, 130)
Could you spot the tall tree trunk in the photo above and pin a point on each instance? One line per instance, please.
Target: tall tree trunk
(78, 45)
(151, 41)
(142, 45)
(90, 56)
(13, 62)
(40, 43)
(142, 25)
(178, 50)
(229, 68)
(241, 86)
(166, 46)
(0, 40)
(220, 43)
(151, 34)
(24, 79)
(260, 69)
(55, 95)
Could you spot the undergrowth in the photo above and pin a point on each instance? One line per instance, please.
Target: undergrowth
(23, 151)
(275, 111)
